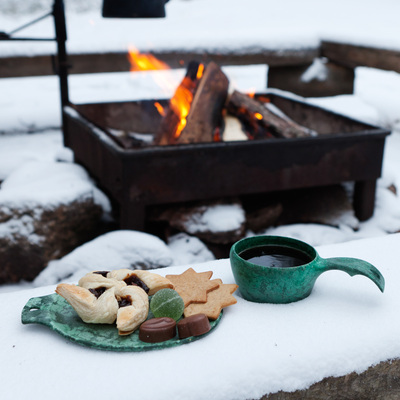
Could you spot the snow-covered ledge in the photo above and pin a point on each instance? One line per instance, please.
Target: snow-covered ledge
(345, 326)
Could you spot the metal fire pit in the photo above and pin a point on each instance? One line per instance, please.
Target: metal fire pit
(345, 150)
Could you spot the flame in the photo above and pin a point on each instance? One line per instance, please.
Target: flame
(180, 104)
(144, 62)
(200, 71)
(181, 100)
(258, 116)
(160, 108)
(251, 93)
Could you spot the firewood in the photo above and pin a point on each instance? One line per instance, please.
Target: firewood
(261, 121)
(206, 110)
(169, 129)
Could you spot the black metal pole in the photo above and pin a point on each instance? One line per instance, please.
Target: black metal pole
(62, 59)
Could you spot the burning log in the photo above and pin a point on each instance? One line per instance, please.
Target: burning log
(206, 110)
(175, 116)
(261, 122)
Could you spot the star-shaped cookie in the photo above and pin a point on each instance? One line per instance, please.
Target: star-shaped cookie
(192, 286)
(216, 301)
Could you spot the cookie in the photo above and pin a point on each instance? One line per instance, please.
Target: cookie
(216, 301)
(192, 286)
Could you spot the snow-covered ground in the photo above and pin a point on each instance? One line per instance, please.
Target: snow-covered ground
(220, 25)
(344, 306)
(30, 107)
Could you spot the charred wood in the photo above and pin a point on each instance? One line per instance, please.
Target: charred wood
(260, 121)
(206, 110)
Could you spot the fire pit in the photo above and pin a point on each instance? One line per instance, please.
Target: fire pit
(345, 150)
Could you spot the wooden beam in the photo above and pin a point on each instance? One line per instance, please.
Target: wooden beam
(353, 56)
(339, 80)
(118, 62)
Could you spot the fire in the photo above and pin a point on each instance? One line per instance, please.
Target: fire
(180, 104)
(251, 93)
(182, 99)
(258, 116)
(144, 62)
(160, 108)
(200, 71)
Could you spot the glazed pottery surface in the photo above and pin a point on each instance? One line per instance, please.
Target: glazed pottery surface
(55, 312)
(285, 285)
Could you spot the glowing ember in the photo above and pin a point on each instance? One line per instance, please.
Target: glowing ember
(258, 116)
(144, 62)
(251, 93)
(160, 108)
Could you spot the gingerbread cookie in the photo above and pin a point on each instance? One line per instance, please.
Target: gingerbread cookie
(192, 286)
(216, 301)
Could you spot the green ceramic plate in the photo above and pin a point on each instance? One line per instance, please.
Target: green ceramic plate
(56, 313)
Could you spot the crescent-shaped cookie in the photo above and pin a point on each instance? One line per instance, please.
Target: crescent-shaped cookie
(92, 310)
(153, 281)
(130, 317)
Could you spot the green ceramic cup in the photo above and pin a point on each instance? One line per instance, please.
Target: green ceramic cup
(285, 285)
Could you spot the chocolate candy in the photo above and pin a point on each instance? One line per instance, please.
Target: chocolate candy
(157, 330)
(195, 325)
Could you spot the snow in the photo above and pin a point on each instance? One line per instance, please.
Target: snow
(217, 25)
(113, 250)
(345, 325)
(48, 185)
(216, 218)
(317, 70)
(188, 250)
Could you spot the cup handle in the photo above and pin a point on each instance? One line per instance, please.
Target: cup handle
(354, 266)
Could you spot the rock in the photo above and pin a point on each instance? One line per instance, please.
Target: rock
(393, 189)
(113, 250)
(46, 210)
(188, 250)
(380, 382)
(327, 205)
(264, 217)
(213, 222)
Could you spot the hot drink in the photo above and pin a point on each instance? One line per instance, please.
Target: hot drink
(275, 256)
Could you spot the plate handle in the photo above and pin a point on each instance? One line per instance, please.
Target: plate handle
(35, 311)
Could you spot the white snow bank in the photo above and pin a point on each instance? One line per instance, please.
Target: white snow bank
(345, 325)
(216, 25)
(188, 250)
(15, 150)
(351, 106)
(114, 250)
(381, 90)
(49, 184)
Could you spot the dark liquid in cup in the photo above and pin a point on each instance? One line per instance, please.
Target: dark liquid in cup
(275, 256)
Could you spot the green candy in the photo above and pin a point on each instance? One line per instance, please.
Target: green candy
(167, 303)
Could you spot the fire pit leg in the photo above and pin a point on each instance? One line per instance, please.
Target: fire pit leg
(364, 199)
(132, 216)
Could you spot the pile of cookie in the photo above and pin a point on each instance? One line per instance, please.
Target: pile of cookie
(122, 296)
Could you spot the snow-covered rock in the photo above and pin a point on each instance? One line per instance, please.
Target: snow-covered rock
(213, 222)
(189, 250)
(46, 210)
(113, 250)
